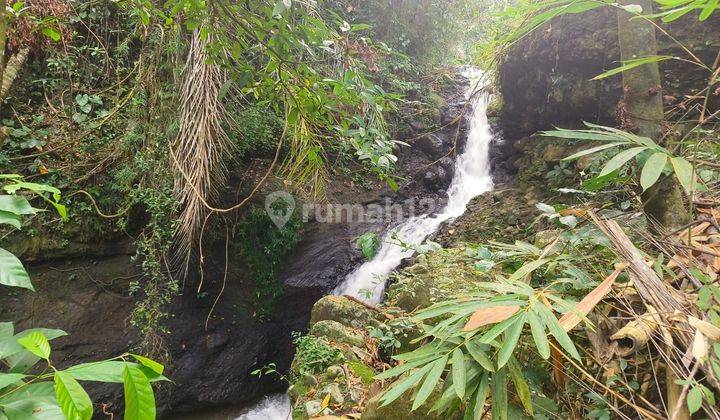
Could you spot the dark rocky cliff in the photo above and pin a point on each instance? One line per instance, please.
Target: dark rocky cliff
(545, 77)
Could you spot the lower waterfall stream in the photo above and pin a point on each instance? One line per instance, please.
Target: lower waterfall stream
(471, 178)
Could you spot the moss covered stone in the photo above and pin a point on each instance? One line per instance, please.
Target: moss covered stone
(337, 332)
(343, 310)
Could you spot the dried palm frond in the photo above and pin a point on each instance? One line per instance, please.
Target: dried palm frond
(200, 145)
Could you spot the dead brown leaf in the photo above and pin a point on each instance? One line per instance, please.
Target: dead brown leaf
(492, 315)
(572, 318)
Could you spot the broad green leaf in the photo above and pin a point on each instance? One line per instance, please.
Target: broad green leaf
(683, 171)
(139, 397)
(631, 64)
(10, 378)
(621, 159)
(652, 170)
(458, 372)
(31, 186)
(521, 386)
(37, 344)
(499, 395)
(479, 355)
(6, 330)
(12, 272)
(72, 398)
(149, 363)
(537, 327)
(17, 205)
(510, 341)
(10, 219)
(694, 399)
(593, 150)
(111, 371)
(431, 380)
(400, 387)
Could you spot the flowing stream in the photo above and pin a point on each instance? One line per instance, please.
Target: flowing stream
(472, 177)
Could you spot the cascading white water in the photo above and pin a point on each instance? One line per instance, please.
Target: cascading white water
(273, 407)
(472, 177)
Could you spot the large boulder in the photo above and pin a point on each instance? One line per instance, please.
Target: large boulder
(545, 78)
(345, 311)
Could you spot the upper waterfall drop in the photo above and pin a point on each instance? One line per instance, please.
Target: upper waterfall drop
(472, 177)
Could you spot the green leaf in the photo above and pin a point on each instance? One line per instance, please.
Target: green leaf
(111, 371)
(139, 397)
(528, 268)
(31, 186)
(458, 372)
(6, 330)
(694, 399)
(72, 398)
(428, 386)
(400, 369)
(481, 396)
(499, 395)
(479, 355)
(557, 330)
(511, 339)
(10, 378)
(10, 219)
(652, 170)
(521, 386)
(631, 64)
(400, 387)
(16, 204)
(620, 159)
(593, 150)
(683, 171)
(51, 33)
(496, 330)
(149, 363)
(37, 344)
(537, 327)
(709, 8)
(279, 8)
(12, 272)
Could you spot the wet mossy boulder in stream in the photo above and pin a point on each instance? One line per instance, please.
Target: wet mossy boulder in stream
(433, 277)
(337, 332)
(345, 310)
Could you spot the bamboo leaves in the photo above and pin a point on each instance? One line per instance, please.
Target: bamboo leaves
(430, 382)
(652, 168)
(458, 372)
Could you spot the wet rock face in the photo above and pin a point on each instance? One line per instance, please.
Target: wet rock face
(545, 77)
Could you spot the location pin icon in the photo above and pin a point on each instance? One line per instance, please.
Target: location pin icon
(279, 205)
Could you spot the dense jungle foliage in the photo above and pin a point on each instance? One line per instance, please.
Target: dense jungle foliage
(163, 123)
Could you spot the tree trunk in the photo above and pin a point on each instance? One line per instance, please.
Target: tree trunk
(663, 202)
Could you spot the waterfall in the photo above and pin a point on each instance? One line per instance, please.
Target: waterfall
(472, 177)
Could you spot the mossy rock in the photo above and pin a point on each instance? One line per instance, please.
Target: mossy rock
(337, 332)
(435, 277)
(345, 311)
